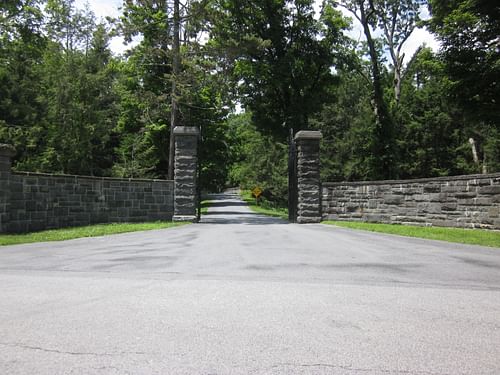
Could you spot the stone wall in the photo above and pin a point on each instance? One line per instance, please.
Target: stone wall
(33, 201)
(6, 154)
(462, 201)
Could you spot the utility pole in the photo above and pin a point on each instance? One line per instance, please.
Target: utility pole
(174, 115)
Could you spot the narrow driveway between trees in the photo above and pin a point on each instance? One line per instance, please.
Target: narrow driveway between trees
(240, 293)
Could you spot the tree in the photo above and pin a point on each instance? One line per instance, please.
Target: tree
(77, 84)
(257, 159)
(383, 145)
(202, 103)
(160, 83)
(176, 61)
(280, 58)
(142, 126)
(347, 124)
(468, 31)
(432, 138)
(21, 56)
(145, 90)
(397, 19)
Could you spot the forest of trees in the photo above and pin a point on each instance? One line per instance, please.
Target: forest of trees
(69, 105)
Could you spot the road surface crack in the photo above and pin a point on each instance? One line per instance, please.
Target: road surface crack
(46, 350)
(357, 370)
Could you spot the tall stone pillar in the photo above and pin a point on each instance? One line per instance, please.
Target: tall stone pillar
(185, 175)
(7, 152)
(308, 177)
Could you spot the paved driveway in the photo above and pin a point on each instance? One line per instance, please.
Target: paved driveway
(241, 293)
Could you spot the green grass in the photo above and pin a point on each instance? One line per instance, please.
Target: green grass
(264, 207)
(204, 206)
(78, 232)
(465, 236)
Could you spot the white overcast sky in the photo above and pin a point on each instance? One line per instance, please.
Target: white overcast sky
(104, 8)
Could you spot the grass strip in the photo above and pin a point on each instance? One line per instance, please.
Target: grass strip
(465, 236)
(79, 232)
(264, 207)
(204, 206)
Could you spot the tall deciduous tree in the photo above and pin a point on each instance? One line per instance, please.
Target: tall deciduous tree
(395, 21)
(383, 145)
(281, 57)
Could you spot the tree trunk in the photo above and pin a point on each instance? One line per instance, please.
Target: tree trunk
(397, 82)
(383, 144)
(174, 115)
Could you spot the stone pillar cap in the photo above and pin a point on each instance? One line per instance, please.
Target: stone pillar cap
(308, 134)
(187, 130)
(7, 150)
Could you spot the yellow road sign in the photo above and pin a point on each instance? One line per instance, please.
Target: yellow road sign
(256, 192)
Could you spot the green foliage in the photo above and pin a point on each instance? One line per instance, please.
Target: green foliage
(145, 90)
(468, 31)
(57, 92)
(281, 58)
(214, 156)
(68, 105)
(347, 125)
(80, 108)
(264, 206)
(142, 123)
(258, 160)
(204, 205)
(432, 128)
(21, 51)
(144, 87)
(202, 104)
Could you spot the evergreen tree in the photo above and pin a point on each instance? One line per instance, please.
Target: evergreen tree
(468, 31)
(77, 82)
(22, 44)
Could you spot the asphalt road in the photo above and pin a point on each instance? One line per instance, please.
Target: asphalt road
(244, 294)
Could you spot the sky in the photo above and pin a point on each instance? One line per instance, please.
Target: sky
(104, 8)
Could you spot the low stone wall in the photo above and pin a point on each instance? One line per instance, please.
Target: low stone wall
(463, 201)
(34, 201)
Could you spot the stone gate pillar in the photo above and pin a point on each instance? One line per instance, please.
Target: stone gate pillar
(7, 152)
(185, 174)
(308, 177)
